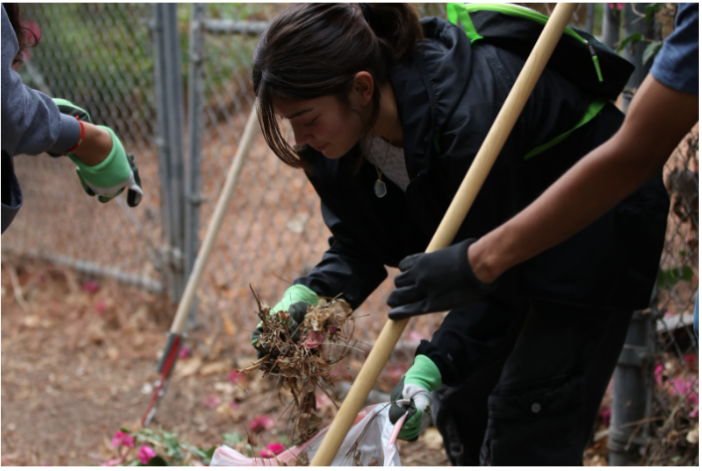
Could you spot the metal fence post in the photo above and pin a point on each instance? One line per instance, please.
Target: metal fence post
(590, 17)
(633, 376)
(161, 106)
(194, 199)
(631, 396)
(610, 26)
(169, 91)
(634, 23)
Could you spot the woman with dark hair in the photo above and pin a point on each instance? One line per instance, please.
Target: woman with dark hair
(388, 112)
(33, 123)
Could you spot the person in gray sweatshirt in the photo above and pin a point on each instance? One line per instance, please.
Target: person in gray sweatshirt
(33, 122)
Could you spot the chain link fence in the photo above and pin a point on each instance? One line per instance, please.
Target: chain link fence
(105, 58)
(274, 231)
(100, 57)
(674, 414)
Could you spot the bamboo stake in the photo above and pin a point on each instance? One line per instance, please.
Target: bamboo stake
(456, 213)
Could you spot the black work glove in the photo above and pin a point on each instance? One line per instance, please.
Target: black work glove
(297, 312)
(436, 282)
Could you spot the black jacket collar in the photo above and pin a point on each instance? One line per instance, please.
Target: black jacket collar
(428, 87)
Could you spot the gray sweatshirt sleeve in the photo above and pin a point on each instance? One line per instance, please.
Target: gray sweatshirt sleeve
(31, 121)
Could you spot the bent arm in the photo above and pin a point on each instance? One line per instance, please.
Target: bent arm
(657, 120)
(31, 121)
(347, 269)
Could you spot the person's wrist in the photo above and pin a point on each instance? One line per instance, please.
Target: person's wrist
(424, 373)
(96, 146)
(484, 261)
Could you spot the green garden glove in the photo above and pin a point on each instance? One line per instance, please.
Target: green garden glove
(412, 395)
(110, 177)
(295, 301)
(66, 107)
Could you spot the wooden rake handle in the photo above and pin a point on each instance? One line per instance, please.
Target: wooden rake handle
(456, 213)
(186, 301)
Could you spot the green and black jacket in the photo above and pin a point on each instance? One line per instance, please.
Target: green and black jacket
(448, 95)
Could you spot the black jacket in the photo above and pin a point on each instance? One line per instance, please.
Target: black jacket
(448, 95)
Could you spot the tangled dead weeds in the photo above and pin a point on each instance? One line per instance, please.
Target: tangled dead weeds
(304, 356)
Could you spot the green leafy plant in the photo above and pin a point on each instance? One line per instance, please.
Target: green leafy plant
(669, 278)
(631, 40)
(231, 438)
(651, 50)
(653, 46)
(148, 447)
(651, 10)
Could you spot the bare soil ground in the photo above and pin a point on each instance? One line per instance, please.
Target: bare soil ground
(78, 361)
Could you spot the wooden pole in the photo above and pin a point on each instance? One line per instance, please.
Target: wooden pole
(456, 213)
(232, 177)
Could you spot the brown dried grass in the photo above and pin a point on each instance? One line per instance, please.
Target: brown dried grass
(304, 357)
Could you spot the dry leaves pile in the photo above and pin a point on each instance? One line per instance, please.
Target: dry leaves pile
(304, 356)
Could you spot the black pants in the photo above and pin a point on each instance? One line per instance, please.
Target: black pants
(536, 403)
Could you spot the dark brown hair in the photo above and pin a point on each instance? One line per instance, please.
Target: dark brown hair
(25, 36)
(314, 50)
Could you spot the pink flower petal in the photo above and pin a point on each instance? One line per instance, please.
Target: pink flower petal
(682, 386)
(122, 439)
(691, 359)
(100, 306)
(272, 450)
(145, 454)
(314, 340)
(184, 352)
(276, 448)
(234, 376)
(658, 373)
(260, 423)
(117, 439)
(90, 286)
(234, 405)
(212, 401)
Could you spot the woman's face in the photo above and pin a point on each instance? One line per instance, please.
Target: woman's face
(322, 123)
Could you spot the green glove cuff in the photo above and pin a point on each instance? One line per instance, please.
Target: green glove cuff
(294, 294)
(424, 373)
(66, 107)
(111, 172)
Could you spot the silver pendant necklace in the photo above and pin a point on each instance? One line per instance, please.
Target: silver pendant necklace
(379, 188)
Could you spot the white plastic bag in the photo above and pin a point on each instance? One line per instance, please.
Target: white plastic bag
(370, 442)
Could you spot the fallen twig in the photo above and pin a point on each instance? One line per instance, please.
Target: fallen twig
(16, 287)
